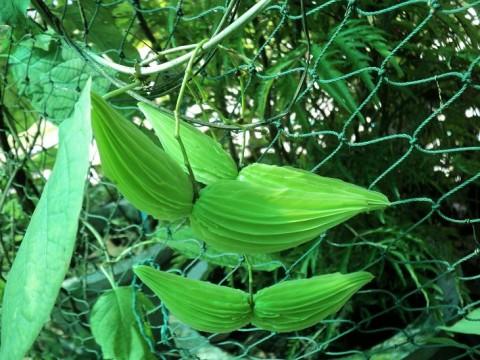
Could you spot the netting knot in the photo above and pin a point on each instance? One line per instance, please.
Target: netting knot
(284, 11)
(341, 137)
(381, 72)
(413, 141)
(435, 206)
(467, 78)
(434, 5)
(180, 12)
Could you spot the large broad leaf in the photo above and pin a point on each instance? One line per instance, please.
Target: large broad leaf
(470, 324)
(107, 24)
(13, 11)
(114, 325)
(19, 108)
(51, 76)
(44, 255)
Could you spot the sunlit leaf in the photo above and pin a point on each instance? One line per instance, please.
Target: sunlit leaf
(114, 324)
(44, 255)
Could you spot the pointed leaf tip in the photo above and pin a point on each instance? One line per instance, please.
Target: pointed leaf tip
(209, 161)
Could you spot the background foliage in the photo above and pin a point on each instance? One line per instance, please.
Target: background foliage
(383, 94)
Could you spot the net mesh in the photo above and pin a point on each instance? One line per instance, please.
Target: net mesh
(383, 94)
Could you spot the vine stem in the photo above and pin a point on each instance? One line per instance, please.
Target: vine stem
(176, 114)
(108, 274)
(216, 39)
(250, 280)
(121, 90)
(166, 52)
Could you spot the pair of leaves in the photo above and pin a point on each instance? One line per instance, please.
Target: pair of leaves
(155, 180)
(265, 209)
(44, 255)
(287, 306)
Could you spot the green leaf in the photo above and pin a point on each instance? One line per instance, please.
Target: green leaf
(2, 288)
(51, 78)
(147, 176)
(338, 89)
(20, 109)
(209, 161)
(202, 305)
(106, 28)
(5, 36)
(13, 11)
(470, 324)
(271, 208)
(44, 255)
(114, 325)
(265, 86)
(185, 242)
(298, 304)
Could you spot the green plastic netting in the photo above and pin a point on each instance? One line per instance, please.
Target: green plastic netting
(384, 94)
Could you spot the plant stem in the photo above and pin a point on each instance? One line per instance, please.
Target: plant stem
(176, 113)
(216, 39)
(108, 274)
(166, 52)
(121, 90)
(250, 280)
(242, 152)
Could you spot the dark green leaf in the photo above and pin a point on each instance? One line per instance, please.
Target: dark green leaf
(13, 11)
(50, 77)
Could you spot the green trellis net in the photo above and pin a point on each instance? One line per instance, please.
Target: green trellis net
(384, 94)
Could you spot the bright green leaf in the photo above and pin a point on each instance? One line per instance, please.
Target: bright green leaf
(143, 172)
(114, 325)
(470, 324)
(209, 161)
(44, 255)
